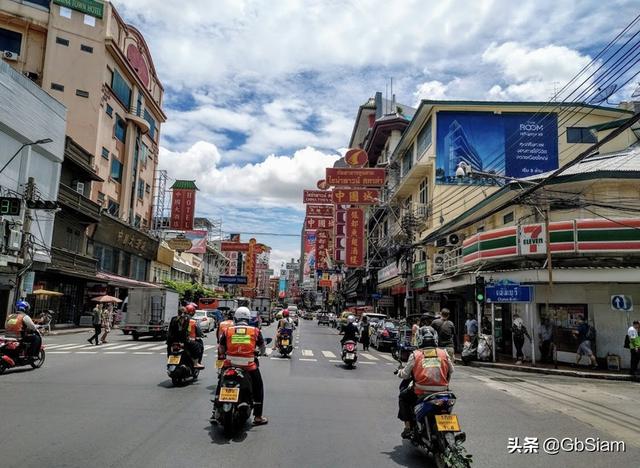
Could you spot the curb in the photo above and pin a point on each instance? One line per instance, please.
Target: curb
(543, 370)
(69, 331)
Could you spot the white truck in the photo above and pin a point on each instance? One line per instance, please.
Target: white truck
(148, 311)
(226, 305)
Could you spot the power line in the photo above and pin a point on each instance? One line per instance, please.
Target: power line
(272, 234)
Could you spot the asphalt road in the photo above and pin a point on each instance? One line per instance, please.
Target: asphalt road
(113, 406)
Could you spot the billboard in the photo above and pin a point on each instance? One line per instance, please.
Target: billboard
(198, 241)
(309, 254)
(514, 144)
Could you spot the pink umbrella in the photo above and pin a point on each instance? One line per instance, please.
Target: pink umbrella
(106, 299)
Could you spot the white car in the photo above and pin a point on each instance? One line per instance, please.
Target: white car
(206, 323)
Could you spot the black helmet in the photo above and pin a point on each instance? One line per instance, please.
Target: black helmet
(427, 338)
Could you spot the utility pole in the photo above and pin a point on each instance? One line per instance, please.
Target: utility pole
(29, 194)
(547, 212)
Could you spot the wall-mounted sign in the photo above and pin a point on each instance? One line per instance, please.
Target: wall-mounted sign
(316, 196)
(319, 211)
(355, 177)
(225, 279)
(355, 237)
(388, 272)
(508, 293)
(90, 7)
(183, 207)
(621, 302)
(356, 196)
(356, 157)
(234, 247)
(532, 239)
(324, 283)
(318, 223)
(322, 184)
(180, 243)
(323, 243)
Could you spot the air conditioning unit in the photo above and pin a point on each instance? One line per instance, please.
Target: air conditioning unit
(442, 242)
(79, 187)
(453, 240)
(8, 55)
(15, 240)
(438, 263)
(31, 75)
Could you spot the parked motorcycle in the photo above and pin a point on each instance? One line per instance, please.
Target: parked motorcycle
(15, 353)
(477, 350)
(437, 431)
(180, 365)
(349, 353)
(285, 342)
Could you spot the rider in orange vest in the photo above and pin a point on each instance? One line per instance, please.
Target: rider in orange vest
(224, 325)
(238, 346)
(194, 343)
(19, 325)
(430, 369)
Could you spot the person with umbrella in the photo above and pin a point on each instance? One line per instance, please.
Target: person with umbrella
(105, 321)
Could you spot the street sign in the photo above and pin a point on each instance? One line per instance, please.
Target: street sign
(620, 302)
(318, 223)
(180, 243)
(319, 211)
(317, 196)
(355, 177)
(376, 296)
(356, 196)
(223, 279)
(508, 293)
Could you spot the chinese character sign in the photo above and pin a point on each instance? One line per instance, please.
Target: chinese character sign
(340, 232)
(318, 223)
(355, 237)
(356, 196)
(319, 211)
(183, 206)
(323, 242)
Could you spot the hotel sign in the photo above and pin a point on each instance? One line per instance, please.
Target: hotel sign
(90, 7)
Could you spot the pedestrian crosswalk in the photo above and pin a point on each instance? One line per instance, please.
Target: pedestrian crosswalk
(303, 355)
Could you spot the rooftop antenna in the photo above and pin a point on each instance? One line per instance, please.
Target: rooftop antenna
(603, 94)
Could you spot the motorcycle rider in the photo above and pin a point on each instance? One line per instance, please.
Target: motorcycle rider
(193, 339)
(285, 323)
(430, 368)
(224, 325)
(350, 331)
(239, 351)
(19, 325)
(173, 333)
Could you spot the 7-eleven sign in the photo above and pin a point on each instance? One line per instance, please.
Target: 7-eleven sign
(532, 239)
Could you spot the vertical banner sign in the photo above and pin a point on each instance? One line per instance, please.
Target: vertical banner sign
(323, 239)
(183, 205)
(250, 264)
(309, 254)
(340, 233)
(355, 237)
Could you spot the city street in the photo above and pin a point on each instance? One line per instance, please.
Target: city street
(113, 405)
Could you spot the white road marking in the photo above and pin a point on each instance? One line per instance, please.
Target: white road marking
(53, 346)
(208, 347)
(335, 360)
(112, 345)
(328, 354)
(122, 346)
(312, 360)
(157, 348)
(365, 362)
(115, 352)
(75, 346)
(59, 352)
(387, 357)
(142, 352)
(280, 359)
(86, 352)
(148, 345)
(307, 352)
(369, 356)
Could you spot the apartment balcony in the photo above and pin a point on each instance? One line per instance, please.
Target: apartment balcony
(79, 203)
(66, 260)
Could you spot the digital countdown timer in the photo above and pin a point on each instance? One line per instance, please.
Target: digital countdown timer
(10, 206)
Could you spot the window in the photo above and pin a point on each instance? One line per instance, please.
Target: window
(137, 220)
(65, 12)
(508, 218)
(113, 208)
(120, 129)
(139, 105)
(580, 135)
(147, 188)
(116, 170)
(90, 20)
(109, 110)
(144, 152)
(100, 198)
(57, 87)
(62, 41)
(407, 160)
(140, 189)
(121, 89)
(424, 139)
(152, 124)
(81, 93)
(424, 191)
(86, 48)
(10, 41)
(105, 153)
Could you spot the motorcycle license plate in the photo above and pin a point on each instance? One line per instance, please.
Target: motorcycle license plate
(285, 342)
(219, 363)
(447, 423)
(173, 360)
(350, 356)
(229, 395)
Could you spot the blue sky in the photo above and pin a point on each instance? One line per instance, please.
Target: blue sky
(261, 96)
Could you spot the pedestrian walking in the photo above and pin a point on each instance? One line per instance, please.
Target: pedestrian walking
(96, 320)
(105, 322)
(546, 339)
(634, 347)
(446, 333)
(414, 333)
(365, 333)
(470, 328)
(519, 331)
(586, 335)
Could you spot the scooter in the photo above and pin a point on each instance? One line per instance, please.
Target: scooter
(14, 353)
(349, 353)
(180, 365)
(477, 350)
(285, 346)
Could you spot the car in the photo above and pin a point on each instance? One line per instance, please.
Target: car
(206, 323)
(323, 319)
(307, 315)
(385, 335)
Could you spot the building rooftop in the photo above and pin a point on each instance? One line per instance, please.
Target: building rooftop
(184, 185)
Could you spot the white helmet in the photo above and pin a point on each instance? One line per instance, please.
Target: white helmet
(351, 319)
(243, 314)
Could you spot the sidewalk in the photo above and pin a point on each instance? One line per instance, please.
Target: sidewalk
(549, 369)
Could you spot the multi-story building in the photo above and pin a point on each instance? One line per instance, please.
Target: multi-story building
(86, 56)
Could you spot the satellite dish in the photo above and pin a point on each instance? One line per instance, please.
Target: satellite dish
(603, 94)
(636, 93)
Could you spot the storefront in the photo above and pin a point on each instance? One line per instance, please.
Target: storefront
(392, 287)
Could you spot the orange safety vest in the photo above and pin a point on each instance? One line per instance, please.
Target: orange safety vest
(14, 324)
(241, 346)
(223, 327)
(191, 329)
(431, 370)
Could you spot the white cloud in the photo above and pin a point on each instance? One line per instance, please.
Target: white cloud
(432, 90)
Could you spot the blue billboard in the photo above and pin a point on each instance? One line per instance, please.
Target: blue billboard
(514, 144)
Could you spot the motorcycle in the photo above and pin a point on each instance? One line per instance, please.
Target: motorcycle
(437, 431)
(477, 350)
(233, 404)
(180, 365)
(349, 353)
(285, 346)
(15, 353)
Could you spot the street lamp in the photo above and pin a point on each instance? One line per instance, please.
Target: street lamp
(465, 170)
(24, 145)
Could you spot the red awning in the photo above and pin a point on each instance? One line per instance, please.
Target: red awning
(398, 289)
(124, 282)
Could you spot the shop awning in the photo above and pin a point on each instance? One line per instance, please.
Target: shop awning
(391, 282)
(123, 282)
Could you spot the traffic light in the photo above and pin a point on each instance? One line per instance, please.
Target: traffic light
(42, 205)
(480, 289)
